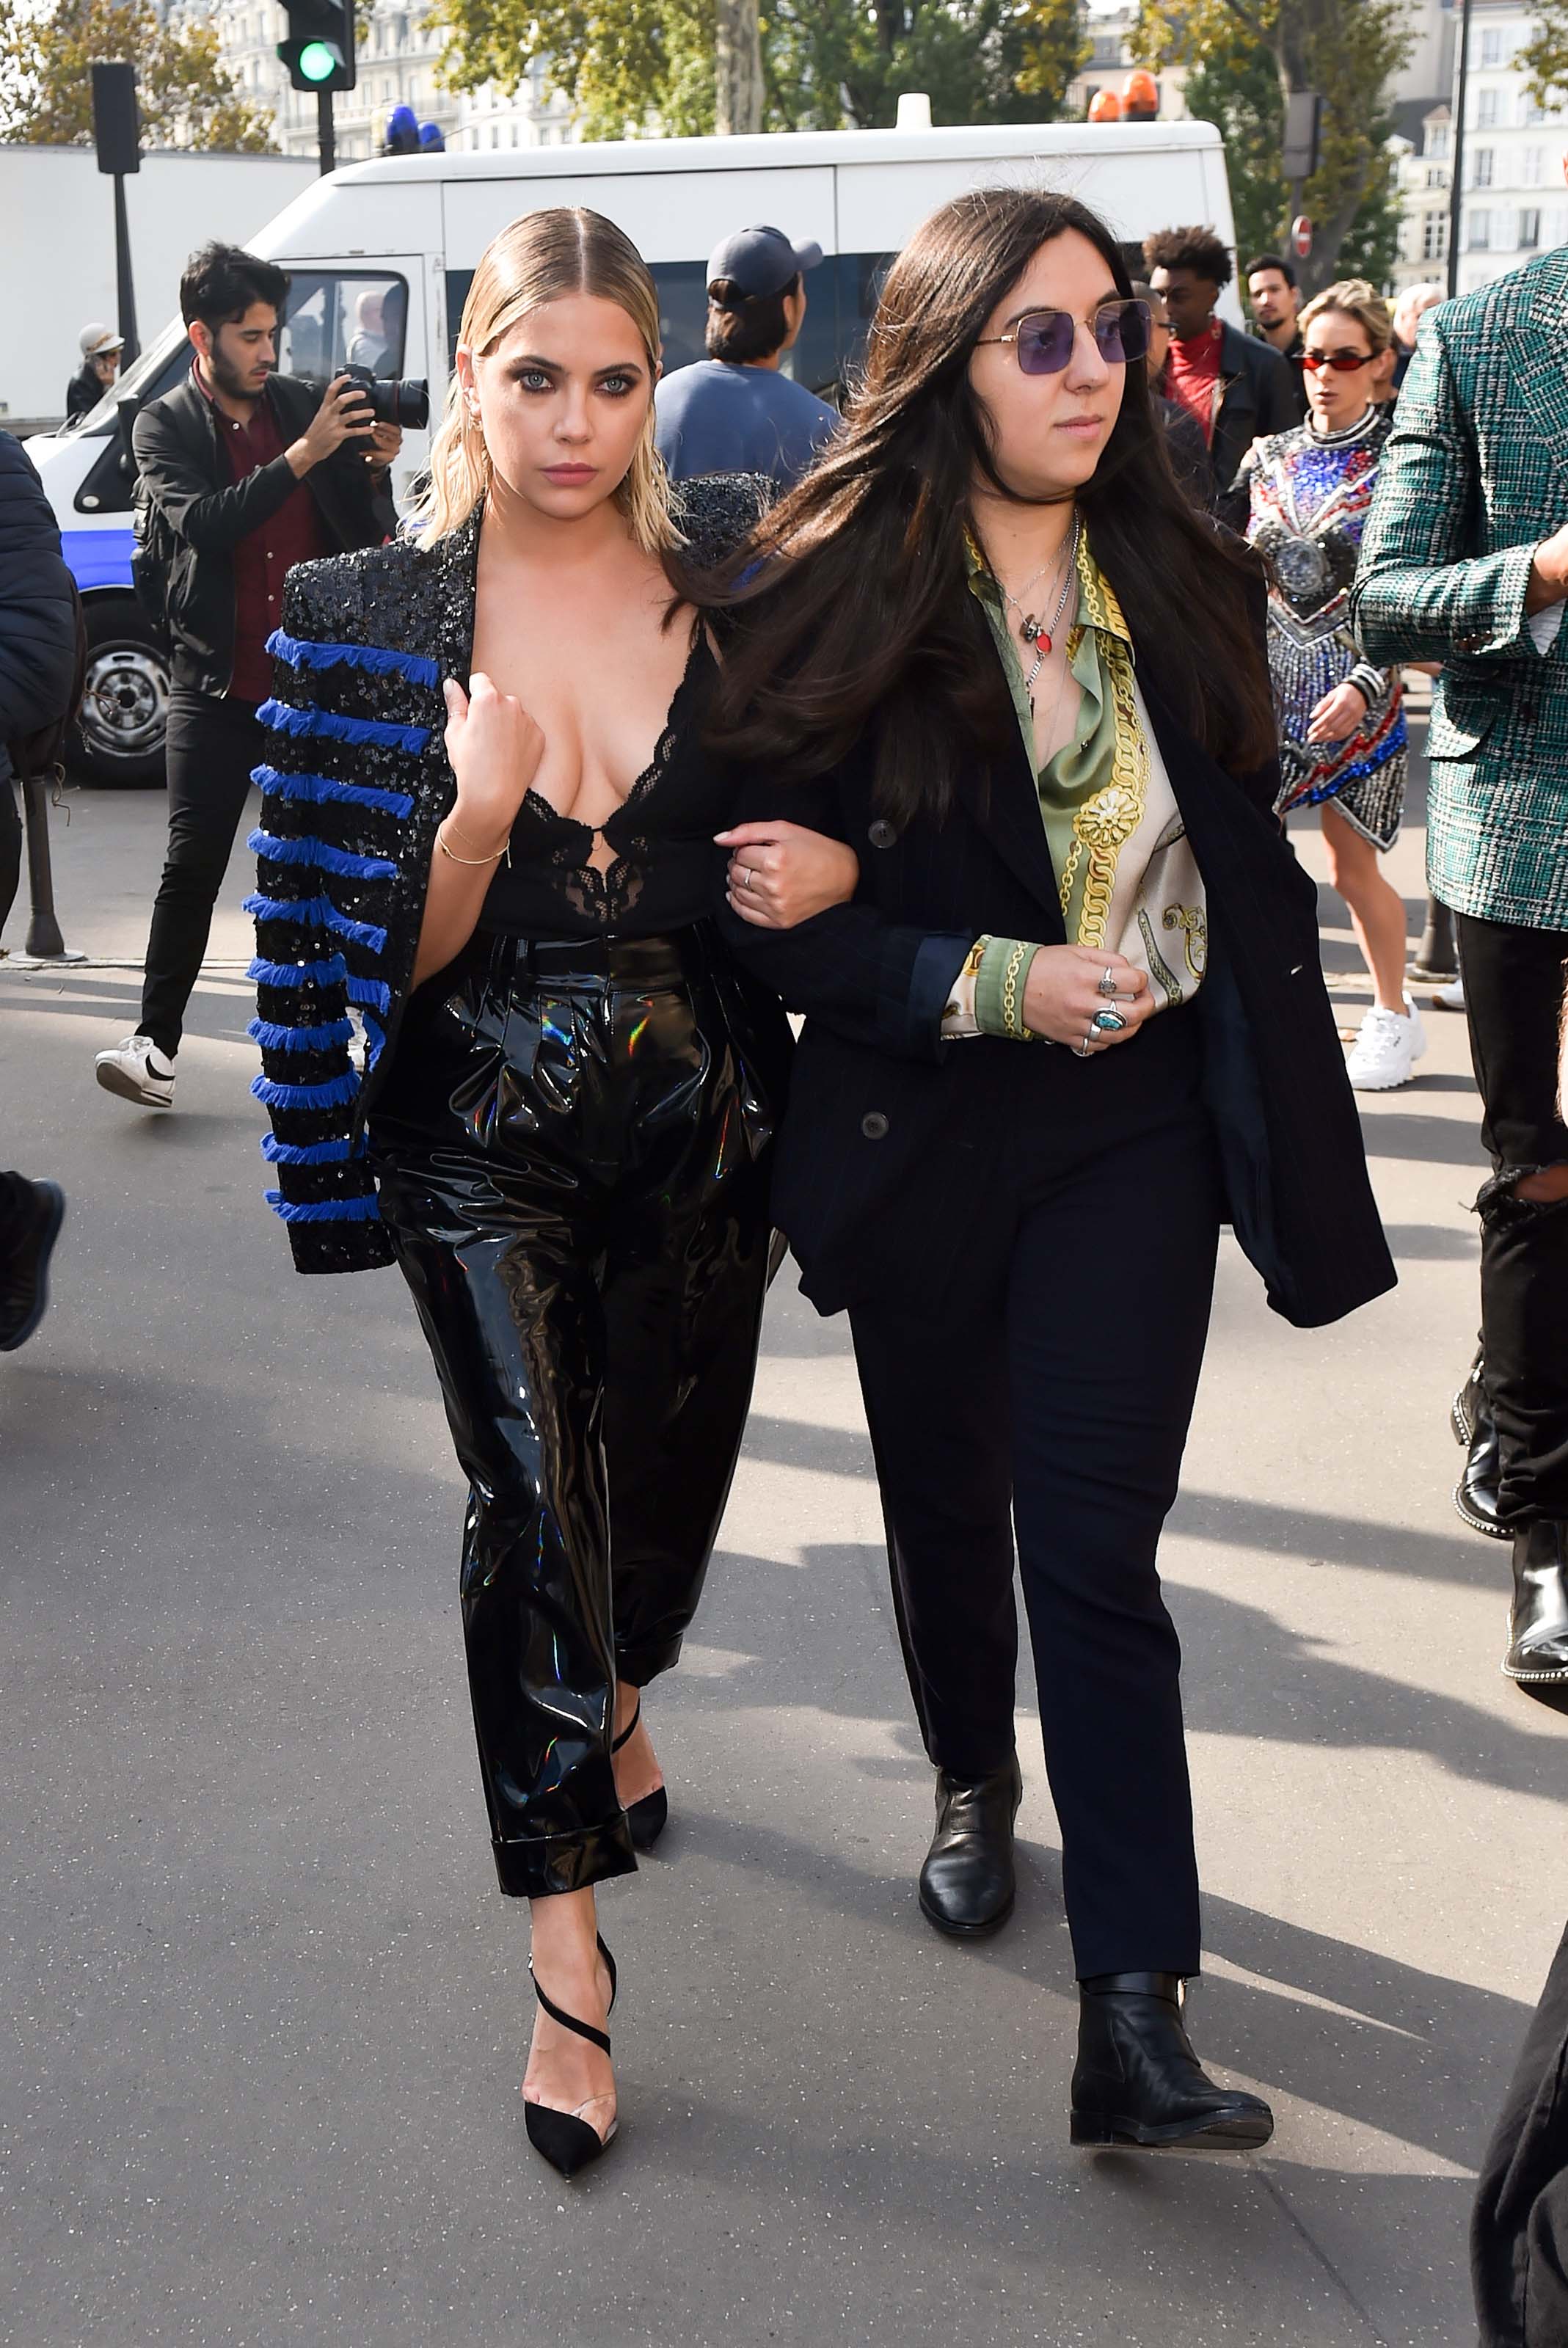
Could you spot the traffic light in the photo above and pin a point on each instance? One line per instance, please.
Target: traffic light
(319, 50)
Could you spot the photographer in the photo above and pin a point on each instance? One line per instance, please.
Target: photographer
(243, 473)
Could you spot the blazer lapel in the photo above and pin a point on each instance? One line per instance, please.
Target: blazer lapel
(1535, 346)
(1006, 807)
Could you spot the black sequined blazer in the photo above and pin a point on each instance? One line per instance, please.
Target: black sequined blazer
(357, 781)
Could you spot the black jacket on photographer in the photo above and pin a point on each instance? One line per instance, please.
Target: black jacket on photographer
(184, 475)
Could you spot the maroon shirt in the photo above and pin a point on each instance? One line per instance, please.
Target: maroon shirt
(263, 558)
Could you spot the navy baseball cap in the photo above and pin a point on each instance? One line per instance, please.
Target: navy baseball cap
(761, 261)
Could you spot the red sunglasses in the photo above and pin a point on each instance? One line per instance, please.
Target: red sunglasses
(1342, 362)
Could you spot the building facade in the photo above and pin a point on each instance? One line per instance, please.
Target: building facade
(1514, 203)
(398, 56)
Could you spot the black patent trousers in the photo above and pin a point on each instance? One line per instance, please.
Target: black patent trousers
(572, 1144)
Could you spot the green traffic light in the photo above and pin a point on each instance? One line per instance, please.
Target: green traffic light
(319, 61)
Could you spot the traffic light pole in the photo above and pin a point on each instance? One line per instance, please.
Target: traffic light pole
(325, 139)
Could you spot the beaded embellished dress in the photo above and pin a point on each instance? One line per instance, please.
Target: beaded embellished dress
(1310, 496)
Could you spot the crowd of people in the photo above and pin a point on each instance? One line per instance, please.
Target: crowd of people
(965, 726)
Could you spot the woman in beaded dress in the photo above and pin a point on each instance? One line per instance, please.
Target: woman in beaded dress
(563, 1138)
(1073, 1018)
(1341, 719)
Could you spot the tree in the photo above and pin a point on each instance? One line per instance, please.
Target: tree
(1345, 49)
(186, 95)
(827, 65)
(1544, 57)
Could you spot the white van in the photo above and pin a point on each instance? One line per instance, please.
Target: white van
(381, 254)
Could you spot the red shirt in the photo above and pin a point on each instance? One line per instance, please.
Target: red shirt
(263, 558)
(1192, 376)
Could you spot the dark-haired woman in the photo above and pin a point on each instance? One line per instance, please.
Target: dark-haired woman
(1073, 1017)
(564, 1136)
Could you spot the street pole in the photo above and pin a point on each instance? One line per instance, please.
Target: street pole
(325, 138)
(1437, 955)
(125, 283)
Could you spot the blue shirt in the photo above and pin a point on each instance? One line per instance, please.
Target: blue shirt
(714, 418)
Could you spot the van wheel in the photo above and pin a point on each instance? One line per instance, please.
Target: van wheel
(125, 705)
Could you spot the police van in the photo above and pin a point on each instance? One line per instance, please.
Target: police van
(380, 256)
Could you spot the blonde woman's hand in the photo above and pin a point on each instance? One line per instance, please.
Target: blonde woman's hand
(1062, 995)
(781, 873)
(1337, 714)
(494, 747)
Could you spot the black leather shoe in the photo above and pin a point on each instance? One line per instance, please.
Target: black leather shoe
(967, 1885)
(25, 1265)
(1538, 1631)
(1137, 2082)
(1476, 1493)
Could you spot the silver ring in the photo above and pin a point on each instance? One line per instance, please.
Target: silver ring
(1106, 985)
(1082, 1050)
(1110, 1023)
(747, 876)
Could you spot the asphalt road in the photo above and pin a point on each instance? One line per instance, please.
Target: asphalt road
(267, 2011)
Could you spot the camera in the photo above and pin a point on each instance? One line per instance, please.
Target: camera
(394, 400)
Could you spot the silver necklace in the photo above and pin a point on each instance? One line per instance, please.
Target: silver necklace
(1041, 636)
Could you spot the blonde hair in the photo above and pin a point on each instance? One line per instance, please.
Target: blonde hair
(540, 258)
(1356, 298)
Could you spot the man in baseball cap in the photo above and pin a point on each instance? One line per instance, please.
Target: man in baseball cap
(735, 411)
(100, 349)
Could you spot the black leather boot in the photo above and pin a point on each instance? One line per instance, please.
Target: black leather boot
(1538, 1631)
(1139, 2084)
(1476, 1493)
(967, 1884)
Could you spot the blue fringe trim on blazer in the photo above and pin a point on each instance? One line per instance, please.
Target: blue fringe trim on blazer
(370, 994)
(321, 853)
(318, 911)
(282, 718)
(304, 1153)
(374, 659)
(272, 1037)
(317, 787)
(298, 973)
(336, 1094)
(324, 1210)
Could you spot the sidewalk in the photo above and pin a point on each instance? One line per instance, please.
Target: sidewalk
(268, 2013)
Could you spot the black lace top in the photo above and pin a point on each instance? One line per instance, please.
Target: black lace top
(666, 869)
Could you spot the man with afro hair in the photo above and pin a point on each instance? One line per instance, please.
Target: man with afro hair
(1236, 388)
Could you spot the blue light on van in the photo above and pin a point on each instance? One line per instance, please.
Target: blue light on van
(97, 558)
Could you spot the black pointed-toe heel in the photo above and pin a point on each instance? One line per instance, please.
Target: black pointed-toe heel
(568, 2143)
(647, 1818)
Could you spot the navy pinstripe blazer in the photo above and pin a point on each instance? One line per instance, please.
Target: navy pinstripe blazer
(876, 1166)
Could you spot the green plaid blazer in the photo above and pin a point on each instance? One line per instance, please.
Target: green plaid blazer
(1475, 474)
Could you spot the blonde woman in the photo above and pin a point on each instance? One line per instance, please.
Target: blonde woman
(562, 1136)
(1341, 718)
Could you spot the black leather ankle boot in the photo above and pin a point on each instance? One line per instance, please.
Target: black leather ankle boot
(1538, 1632)
(967, 1884)
(1138, 2082)
(1476, 1493)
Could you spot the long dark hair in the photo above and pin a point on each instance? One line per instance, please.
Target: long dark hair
(849, 604)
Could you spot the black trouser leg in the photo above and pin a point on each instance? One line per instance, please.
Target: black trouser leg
(1519, 2231)
(684, 1288)
(1108, 1312)
(1513, 995)
(936, 1395)
(10, 847)
(1069, 1396)
(213, 743)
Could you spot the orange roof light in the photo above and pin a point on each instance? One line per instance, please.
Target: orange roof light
(1105, 107)
(1141, 99)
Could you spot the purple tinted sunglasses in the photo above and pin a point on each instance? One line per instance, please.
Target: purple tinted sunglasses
(1045, 338)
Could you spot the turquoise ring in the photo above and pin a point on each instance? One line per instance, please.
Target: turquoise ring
(1109, 1022)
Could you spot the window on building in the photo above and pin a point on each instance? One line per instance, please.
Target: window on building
(1491, 47)
(1529, 227)
(1435, 175)
(1530, 163)
(1485, 108)
(1482, 175)
(1435, 237)
(1478, 233)
(1436, 140)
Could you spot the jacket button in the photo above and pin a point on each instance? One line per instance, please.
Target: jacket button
(881, 833)
(873, 1125)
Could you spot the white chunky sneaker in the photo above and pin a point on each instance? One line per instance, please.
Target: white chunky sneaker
(1386, 1051)
(138, 1071)
(1452, 996)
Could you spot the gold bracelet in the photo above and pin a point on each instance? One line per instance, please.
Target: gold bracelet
(452, 824)
(473, 862)
(1012, 1018)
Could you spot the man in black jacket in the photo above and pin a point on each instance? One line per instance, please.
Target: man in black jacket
(1236, 387)
(250, 472)
(37, 669)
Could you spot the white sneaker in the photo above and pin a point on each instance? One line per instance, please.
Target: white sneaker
(138, 1071)
(1385, 1050)
(1452, 996)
